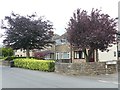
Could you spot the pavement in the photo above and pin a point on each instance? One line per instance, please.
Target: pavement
(23, 78)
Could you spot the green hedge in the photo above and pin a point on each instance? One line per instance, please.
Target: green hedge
(33, 64)
(9, 58)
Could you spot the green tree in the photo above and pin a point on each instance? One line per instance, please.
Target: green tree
(27, 32)
(7, 52)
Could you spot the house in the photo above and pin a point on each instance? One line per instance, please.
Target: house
(50, 55)
(63, 51)
(60, 50)
(66, 53)
(110, 55)
(22, 53)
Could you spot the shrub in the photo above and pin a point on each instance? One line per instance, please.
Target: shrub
(7, 51)
(39, 55)
(9, 58)
(33, 64)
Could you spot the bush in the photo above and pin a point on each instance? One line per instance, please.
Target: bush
(9, 58)
(7, 52)
(39, 55)
(33, 64)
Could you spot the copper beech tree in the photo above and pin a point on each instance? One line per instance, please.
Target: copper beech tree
(27, 32)
(91, 31)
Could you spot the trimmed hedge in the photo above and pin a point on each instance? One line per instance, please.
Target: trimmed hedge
(9, 58)
(33, 64)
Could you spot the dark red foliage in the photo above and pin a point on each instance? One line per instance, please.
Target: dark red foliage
(27, 32)
(41, 55)
(95, 31)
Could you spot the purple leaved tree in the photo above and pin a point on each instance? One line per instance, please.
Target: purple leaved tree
(91, 31)
(27, 32)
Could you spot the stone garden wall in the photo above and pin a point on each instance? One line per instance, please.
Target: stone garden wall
(118, 65)
(90, 68)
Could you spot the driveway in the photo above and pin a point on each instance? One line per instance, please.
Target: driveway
(23, 78)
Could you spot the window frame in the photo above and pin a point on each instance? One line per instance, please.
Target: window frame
(78, 55)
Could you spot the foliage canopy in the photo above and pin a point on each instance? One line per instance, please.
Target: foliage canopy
(94, 31)
(27, 32)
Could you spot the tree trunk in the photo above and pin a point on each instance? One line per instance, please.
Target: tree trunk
(28, 53)
(88, 55)
(96, 55)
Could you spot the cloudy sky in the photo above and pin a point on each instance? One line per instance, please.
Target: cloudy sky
(57, 11)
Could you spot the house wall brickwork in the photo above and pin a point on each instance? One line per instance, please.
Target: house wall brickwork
(62, 48)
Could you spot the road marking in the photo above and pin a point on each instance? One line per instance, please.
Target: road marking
(108, 82)
(115, 82)
(103, 81)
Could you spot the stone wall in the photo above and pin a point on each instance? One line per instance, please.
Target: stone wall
(90, 68)
(78, 60)
(118, 65)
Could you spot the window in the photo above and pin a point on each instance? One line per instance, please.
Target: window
(24, 51)
(114, 53)
(62, 40)
(57, 56)
(51, 55)
(118, 53)
(61, 55)
(66, 55)
(78, 55)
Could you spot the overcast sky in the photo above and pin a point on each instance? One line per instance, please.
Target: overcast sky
(57, 11)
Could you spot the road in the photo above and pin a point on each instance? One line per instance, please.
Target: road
(23, 78)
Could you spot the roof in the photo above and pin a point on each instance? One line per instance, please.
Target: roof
(63, 36)
(56, 36)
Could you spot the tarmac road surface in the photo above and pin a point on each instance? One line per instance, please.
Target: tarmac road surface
(23, 78)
